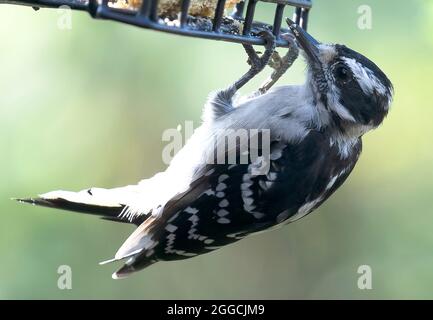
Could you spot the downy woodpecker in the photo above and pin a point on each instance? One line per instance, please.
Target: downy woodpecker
(195, 207)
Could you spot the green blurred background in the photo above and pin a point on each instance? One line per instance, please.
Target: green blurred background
(87, 107)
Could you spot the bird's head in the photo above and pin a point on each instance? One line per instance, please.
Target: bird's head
(350, 86)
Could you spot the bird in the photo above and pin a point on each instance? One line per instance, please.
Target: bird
(311, 139)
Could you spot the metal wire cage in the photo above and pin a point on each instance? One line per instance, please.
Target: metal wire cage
(240, 26)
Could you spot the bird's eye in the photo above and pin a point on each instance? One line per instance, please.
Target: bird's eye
(342, 73)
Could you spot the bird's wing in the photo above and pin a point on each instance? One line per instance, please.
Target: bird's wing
(226, 202)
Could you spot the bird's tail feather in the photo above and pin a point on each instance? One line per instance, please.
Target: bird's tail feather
(91, 201)
(127, 269)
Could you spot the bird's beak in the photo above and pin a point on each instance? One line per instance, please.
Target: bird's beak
(306, 42)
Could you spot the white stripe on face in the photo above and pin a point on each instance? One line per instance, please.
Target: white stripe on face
(365, 77)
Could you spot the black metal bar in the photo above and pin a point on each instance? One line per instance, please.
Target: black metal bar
(184, 12)
(145, 8)
(239, 10)
(251, 8)
(219, 12)
(278, 19)
(153, 13)
(93, 7)
(73, 4)
(295, 3)
(297, 16)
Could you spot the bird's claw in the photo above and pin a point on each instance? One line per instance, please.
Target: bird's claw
(257, 63)
(281, 64)
(276, 61)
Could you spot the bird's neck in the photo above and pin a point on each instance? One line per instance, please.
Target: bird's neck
(327, 117)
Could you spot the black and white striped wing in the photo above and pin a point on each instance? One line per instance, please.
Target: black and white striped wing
(227, 202)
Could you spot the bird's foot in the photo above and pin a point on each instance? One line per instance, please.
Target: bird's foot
(257, 63)
(281, 64)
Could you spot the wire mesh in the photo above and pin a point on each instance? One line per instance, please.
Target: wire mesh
(238, 26)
